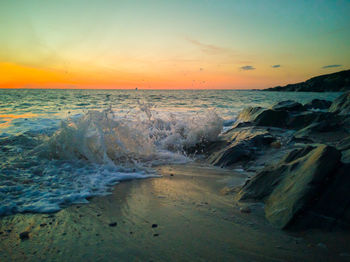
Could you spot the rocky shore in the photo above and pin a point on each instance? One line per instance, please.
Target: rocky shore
(335, 82)
(284, 167)
(297, 159)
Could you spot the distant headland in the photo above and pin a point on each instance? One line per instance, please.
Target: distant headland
(336, 82)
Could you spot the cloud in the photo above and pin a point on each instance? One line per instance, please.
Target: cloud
(247, 67)
(276, 66)
(208, 48)
(330, 66)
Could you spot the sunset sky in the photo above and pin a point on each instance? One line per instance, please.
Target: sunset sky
(186, 44)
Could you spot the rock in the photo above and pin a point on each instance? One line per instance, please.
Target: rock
(316, 128)
(113, 224)
(24, 235)
(248, 114)
(344, 144)
(154, 225)
(318, 104)
(242, 144)
(276, 144)
(246, 210)
(267, 117)
(304, 119)
(341, 105)
(290, 187)
(288, 105)
(270, 117)
(345, 156)
(334, 203)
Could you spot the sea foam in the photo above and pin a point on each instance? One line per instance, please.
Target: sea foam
(91, 152)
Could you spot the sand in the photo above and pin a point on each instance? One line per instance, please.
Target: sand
(186, 215)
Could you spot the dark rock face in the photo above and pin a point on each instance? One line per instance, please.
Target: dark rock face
(248, 114)
(318, 104)
(344, 147)
(346, 156)
(273, 118)
(308, 179)
(336, 82)
(264, 117)
(291, 187)
(341, 105)
(242, 145)
(304, 119)
(288, 105)
(333, 206)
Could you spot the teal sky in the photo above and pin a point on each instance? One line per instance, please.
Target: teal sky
(221, 44)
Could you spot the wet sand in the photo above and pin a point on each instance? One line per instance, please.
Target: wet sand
(186, 215)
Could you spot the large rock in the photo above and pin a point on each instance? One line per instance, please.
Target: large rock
(345, 156)
(288, 105)
(264, 117)
(318, 104)
(291, 187)
(242, 144)
(344, 146)
(248, 114)
(273, 118)
(333, 206)
(304, 119)
(341, 105)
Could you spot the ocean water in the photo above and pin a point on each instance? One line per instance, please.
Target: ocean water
(60, 147)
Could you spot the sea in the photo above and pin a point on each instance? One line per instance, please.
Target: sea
(62, 147)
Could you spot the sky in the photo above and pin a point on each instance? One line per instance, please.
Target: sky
(182, 44)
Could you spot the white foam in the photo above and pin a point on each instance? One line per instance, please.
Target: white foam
(91, 152)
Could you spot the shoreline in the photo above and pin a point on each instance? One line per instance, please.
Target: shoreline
(228, 205)
(183, 215)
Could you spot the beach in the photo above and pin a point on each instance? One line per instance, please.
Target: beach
(185, 215)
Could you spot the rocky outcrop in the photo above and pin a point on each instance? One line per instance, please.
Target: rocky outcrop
(294, 184)
(243, 144)
(264, 117)
(318, 104)
(288, 105)
(344, 147)
(336, 82)
(341, 105)
(288, 114)
(307, 178)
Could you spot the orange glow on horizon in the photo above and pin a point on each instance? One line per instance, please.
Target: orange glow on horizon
(20, 76)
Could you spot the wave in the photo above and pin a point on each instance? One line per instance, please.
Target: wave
(89, 153)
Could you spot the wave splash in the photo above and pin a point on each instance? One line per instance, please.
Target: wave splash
(105, 138)
(89, 153)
